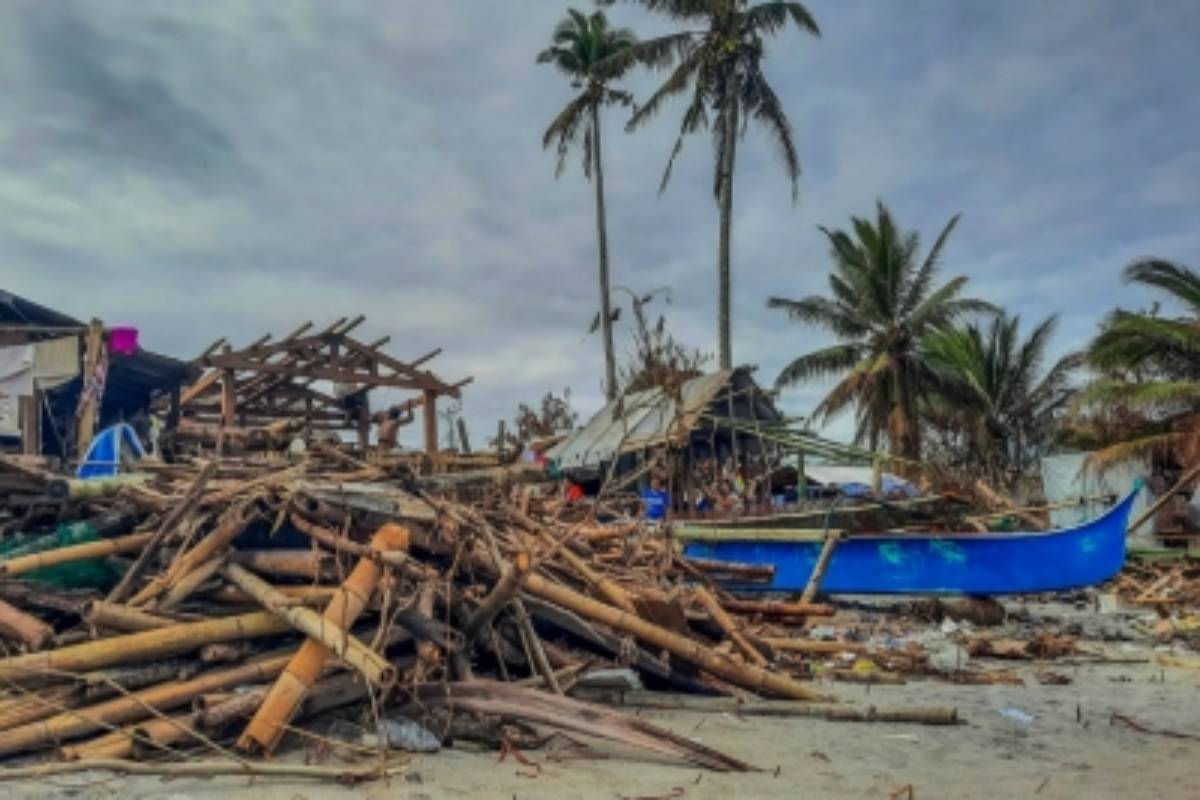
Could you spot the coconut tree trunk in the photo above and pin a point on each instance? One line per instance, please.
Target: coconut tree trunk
(610, 358)
(724, 346)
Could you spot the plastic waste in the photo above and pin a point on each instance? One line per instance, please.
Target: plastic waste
(404, 734)
(1017, 715)
(96, 573)
(947, 657)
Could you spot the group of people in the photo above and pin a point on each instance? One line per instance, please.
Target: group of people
(723, 496)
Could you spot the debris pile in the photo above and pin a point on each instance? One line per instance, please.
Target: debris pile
(209, 608)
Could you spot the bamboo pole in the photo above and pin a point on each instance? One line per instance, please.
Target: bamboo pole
(72, 724)
(143, 646)
(726, 624)
(820, 568)
(289, 691)
(1149, 513)
(773, 608)
(103, 614)
(38, 705)
(231, 524)
(614, 594)
(203, 769)
(504, 590)
(302, 595)
(76, 552)
(329, 632)
(745, 675)
(181, 509)
(23, 627)
(813, 647)
(306, 563)
(189, 582)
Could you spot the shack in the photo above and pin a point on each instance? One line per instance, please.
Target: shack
(710, 427)
(61, 379)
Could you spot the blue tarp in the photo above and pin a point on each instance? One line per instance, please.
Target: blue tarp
(104, 456)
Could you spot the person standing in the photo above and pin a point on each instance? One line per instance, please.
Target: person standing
(655, 500)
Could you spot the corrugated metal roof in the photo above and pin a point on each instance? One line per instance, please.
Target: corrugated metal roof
(648, 418)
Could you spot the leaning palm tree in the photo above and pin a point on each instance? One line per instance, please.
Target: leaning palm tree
(883, 302)
(721, 65)
(1150, 364)
(585, 49)
(991, 394)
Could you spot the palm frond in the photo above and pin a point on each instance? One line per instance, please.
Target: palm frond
(766, 109)
(925, 275)
(771, 16)
(821, 363)
(1175, 279)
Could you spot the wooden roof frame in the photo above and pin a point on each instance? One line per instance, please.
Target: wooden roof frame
(272, 379)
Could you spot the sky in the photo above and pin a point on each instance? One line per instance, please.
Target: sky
(218, 168)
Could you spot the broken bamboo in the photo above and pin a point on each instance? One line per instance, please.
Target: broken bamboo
(745, 675)
(142, 646)
(327, 631)
(290, 689)
(727, 625)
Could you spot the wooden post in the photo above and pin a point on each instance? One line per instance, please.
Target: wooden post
(1149, 513)
(29, 412)
(500, 441)
(822, 565)
(228, 403)
(86, 424)
(173, 413)
(877, 477)
(464, 443)
(429, 416)
(364, 423)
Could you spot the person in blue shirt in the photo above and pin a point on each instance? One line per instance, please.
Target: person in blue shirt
(655, 500)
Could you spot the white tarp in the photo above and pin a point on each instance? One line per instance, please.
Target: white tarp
(1064, 481)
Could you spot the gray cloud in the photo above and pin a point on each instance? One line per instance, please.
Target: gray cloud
(205, 169)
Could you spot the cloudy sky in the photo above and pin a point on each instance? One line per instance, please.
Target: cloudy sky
(229, 168)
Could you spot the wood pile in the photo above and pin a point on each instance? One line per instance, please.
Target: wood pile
(1173, 583)
(210, 608)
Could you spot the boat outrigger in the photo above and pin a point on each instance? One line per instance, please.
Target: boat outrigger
(906, 563)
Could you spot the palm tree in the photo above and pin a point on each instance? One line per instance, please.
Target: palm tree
(722, 65)
(883, 302)
(1150, 365)
(584, 48)
(991, 395)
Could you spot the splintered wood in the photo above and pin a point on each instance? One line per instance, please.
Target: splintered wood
(215, 605)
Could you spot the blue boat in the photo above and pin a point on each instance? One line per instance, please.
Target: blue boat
(905, 563)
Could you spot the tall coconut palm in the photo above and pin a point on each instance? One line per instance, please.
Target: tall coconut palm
(991, 394)
(1151, 364)
(586, 50)
(883, 302)
(721, 66)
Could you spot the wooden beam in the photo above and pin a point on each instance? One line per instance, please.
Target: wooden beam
(429, 417)
(228, 396)
(29, 411)
(86, 424)
(236, 361)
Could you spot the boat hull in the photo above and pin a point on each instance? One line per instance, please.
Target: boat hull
(1009, 563)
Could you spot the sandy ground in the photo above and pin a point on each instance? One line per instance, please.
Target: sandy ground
(1071, 749)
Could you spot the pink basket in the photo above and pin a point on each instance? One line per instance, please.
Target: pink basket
(123, 341)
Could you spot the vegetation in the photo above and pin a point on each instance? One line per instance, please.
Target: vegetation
(552, 416)
(658, 359)
(587, 50)
(929, 373)
(990, 404)
(882, 303)
(1148, 374)
(721, 66)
